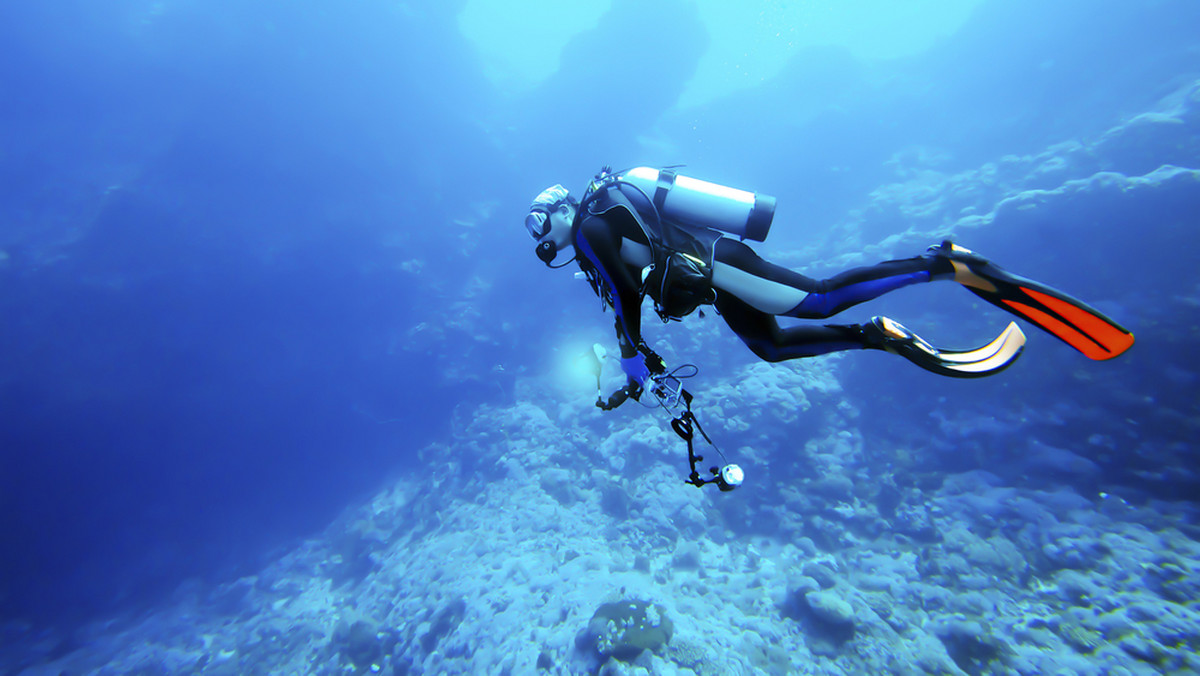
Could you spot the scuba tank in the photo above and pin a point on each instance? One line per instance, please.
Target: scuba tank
(693, 202)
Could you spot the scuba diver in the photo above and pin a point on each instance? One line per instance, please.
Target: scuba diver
(653, 232)
(650, 232)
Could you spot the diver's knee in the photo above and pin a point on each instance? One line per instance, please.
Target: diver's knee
(767, 353)
(814, 306)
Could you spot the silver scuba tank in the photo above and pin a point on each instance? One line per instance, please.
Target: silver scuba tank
(699, 203)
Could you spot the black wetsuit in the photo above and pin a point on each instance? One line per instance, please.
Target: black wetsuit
(598, 241)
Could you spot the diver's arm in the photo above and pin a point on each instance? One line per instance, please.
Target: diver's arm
(600, 243)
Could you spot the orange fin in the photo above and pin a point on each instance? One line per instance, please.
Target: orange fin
(1093, 334)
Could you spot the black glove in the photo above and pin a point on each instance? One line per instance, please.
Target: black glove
(654, 363)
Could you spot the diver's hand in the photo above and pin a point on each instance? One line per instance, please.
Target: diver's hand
(654, 363)
(635, 370)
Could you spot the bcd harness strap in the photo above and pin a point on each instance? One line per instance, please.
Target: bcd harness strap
(666, 179)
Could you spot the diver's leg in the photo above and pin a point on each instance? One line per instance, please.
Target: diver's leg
(777, 290)
(763, 335)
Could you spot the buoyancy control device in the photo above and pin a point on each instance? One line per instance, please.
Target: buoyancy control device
(684, 217)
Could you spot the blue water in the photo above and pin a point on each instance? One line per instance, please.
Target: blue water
(261, 264)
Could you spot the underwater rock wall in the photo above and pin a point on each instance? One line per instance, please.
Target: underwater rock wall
(549, 538)
(1142, 172)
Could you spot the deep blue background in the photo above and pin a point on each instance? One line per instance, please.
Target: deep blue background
(258, 253)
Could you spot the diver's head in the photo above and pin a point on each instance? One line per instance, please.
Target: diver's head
(550, 219)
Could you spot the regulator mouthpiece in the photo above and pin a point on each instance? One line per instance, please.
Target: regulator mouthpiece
(546, 251)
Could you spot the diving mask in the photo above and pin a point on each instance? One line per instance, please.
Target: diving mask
(538, 220)
(537, 223)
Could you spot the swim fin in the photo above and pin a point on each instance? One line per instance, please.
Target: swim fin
(1076, 323)
(888, 334)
